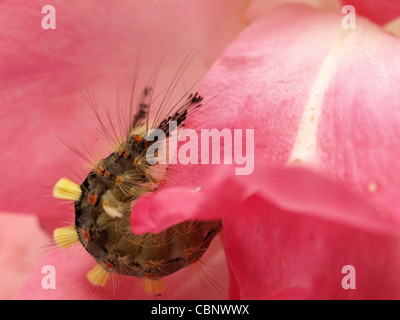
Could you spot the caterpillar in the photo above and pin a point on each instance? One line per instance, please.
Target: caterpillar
(104, 200)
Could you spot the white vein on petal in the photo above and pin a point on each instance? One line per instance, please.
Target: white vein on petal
(305, 146)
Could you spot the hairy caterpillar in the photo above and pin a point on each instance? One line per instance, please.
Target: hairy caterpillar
(104, 200)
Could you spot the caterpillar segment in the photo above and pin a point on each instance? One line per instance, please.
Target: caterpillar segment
(103, 204)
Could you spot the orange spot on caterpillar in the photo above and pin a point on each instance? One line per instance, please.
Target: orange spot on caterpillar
(92, 199)
(100, 170)
(86, 234)
(122, 152)
(107, 173)
(119, 180)
(108, 265)
(138, 138)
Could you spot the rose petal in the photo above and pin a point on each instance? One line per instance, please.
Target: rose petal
(315, 105)
(332, 105)
(299, 257)
(291, 189)
(21, 239)
(293, 234)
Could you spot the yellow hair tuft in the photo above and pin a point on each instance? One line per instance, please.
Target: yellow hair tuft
(66, 189)
(65, 237)
(98, 276)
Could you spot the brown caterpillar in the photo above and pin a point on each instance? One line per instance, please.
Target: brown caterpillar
(103, 204)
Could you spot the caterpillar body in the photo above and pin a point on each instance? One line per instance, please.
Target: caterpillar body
(104, 201)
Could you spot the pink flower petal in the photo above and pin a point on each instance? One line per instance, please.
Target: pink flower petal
(292, 230)
(318, 104)
(21, 247)
(291, 189)
(323, 97)
(380, 12)
(299, 257)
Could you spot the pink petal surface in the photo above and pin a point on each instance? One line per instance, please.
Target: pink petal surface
(359, 124)
(292, 189)
(43, 74)
(380, 12)
(292, 230)
(21, 248)
(333, 106)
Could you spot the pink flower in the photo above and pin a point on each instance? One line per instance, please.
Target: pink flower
(324, 105)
